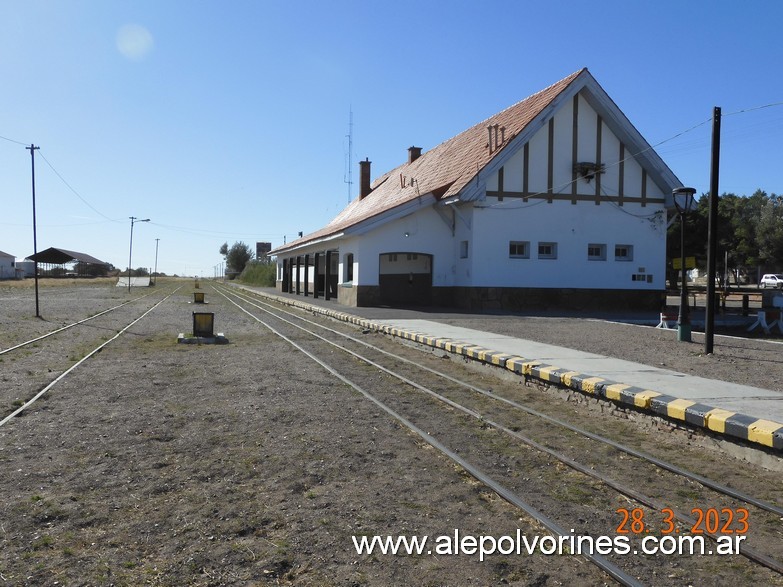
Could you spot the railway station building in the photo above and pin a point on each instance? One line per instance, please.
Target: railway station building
(557, 201)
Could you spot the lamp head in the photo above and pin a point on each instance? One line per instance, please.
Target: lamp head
(683, 199)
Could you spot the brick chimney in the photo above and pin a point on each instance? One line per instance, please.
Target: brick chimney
(413, 154)
(364, 178)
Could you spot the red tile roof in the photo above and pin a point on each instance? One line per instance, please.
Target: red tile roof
(442, 171)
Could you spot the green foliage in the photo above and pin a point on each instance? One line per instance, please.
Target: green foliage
(236, 257)
(263, 274)
(750, 230)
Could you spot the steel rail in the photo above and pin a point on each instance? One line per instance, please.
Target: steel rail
(608, 567)
(748, 551)
(706, 482)
(66, 327)
(62, 375)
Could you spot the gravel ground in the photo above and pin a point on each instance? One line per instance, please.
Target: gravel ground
(164, 464)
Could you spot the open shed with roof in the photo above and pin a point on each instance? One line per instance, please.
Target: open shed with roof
(54, 262)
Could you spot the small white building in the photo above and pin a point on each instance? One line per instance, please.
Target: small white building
(555, 201)
(7, 266)
(26, 268)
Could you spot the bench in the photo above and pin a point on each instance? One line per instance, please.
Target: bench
(667, 317)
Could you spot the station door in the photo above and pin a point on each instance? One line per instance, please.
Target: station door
(406, 279)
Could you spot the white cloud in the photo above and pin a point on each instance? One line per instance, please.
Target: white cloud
(134, 42)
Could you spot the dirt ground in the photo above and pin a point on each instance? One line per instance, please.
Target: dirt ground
(163, 464)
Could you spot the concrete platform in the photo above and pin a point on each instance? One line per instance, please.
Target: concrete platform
(739, 411)
(134, 281)
(760, 403)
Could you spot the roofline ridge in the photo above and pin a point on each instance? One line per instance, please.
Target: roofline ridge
(573, 75)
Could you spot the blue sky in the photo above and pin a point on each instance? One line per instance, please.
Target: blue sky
(227, 121)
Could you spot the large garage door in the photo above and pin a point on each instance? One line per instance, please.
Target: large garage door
(406, 278)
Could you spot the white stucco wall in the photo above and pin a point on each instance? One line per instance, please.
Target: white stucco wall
(426, 232)
(7, 270)
(562, 168)
(572, 228)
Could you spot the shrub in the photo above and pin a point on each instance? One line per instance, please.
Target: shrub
(256, 273)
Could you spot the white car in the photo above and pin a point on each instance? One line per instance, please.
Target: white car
(772, 280)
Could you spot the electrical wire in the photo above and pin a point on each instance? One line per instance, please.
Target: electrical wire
(13, 141)
(78, 195)
(631, 156)
(771, 105)
(499, 205)
(606, 197)
(210, 233)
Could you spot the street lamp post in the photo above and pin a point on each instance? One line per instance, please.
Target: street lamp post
(683, 200)
(133, 220)
(155, 273)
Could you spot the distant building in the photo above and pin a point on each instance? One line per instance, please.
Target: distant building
(261, 251)
(54, 262)
(26, 268)
(7, 266)
(555, 201)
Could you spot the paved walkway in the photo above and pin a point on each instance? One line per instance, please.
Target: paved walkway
(740, 411)
(760, 403)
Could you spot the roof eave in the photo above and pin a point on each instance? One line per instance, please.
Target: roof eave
(304, 243)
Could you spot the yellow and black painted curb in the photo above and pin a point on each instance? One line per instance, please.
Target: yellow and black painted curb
(718, 420)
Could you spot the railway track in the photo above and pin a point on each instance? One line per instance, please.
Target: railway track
(529, 453)
(65, 348)
(69, 326)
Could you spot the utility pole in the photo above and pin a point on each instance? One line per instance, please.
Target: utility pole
(133, 219)
(155, 273)
(32, 148)
(712, 234)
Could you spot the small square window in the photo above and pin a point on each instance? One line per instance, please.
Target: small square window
(519, 249)
(463, 249)
(623, 252)
(547, 250)
(392, 257)
(596, 252)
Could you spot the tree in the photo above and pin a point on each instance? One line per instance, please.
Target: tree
(770, 232)
(750, 234)
(236, 257)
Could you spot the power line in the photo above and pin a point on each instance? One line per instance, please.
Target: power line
(207, 232)
(78, 195)
(772, 105)
(13, 141)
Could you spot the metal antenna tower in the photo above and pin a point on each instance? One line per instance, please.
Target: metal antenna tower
(349, 181)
